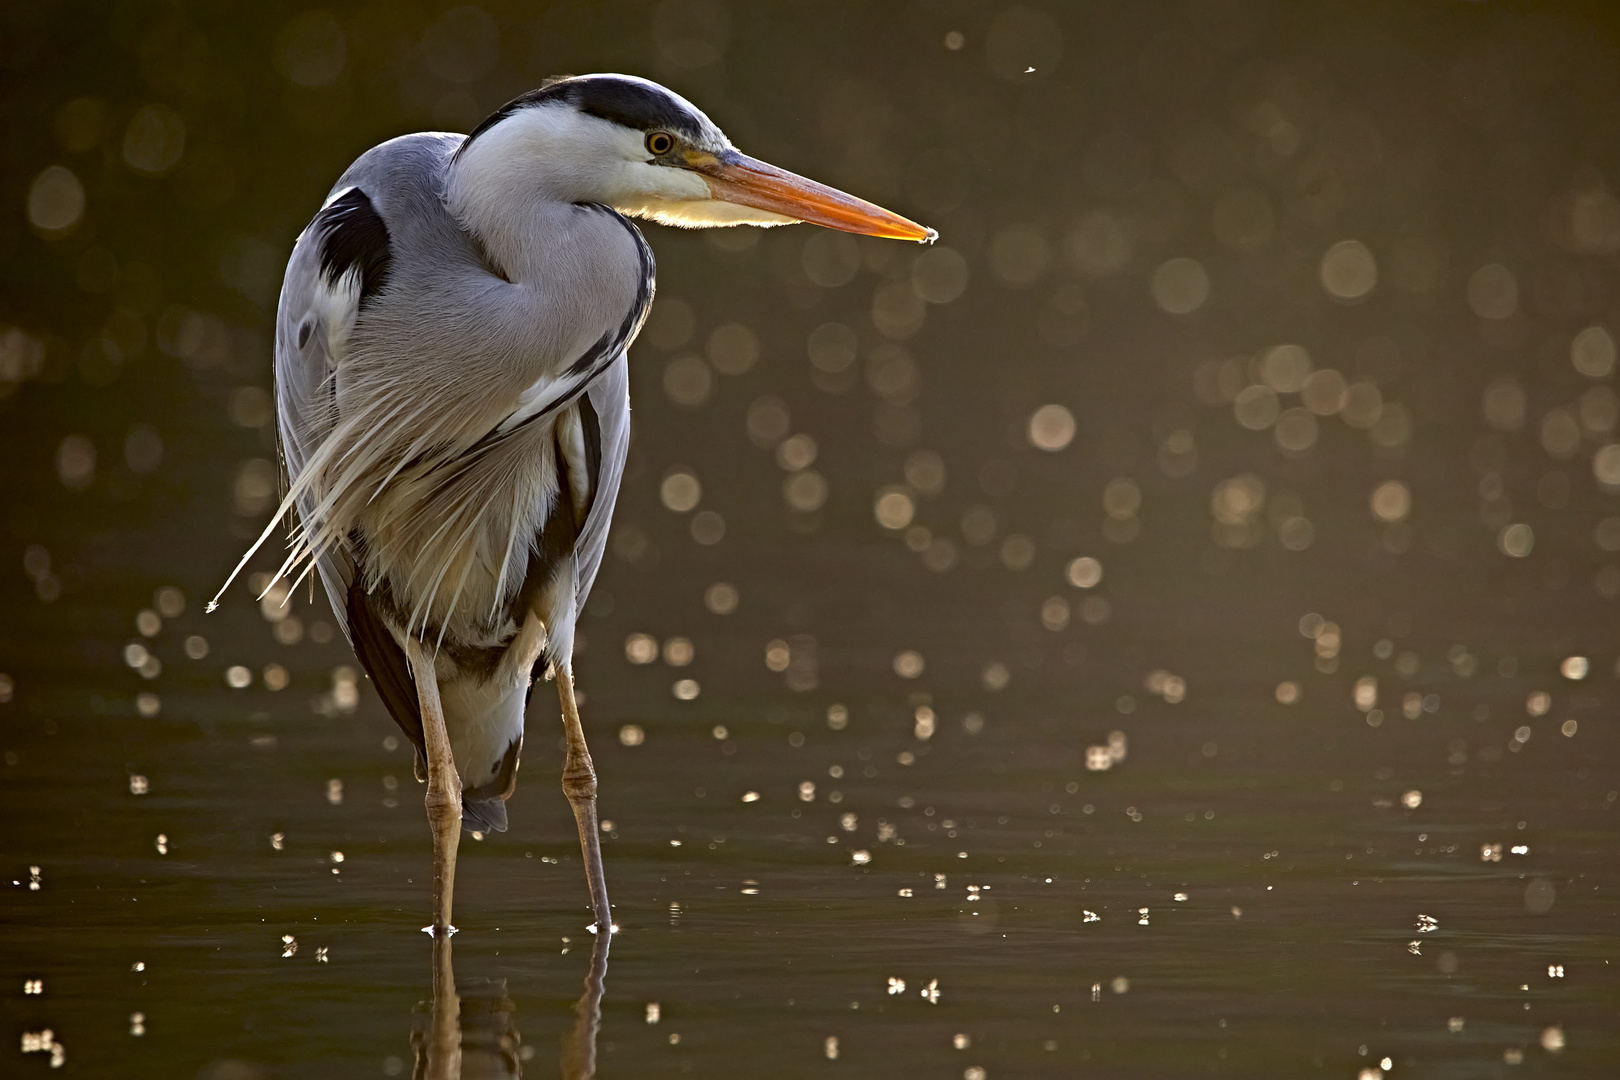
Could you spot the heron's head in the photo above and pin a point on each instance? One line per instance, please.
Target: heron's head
(648, 152)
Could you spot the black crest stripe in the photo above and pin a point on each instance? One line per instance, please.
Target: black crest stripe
(629, 104)
(522, 101)
(353, 236)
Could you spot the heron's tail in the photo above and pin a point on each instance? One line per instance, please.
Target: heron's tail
(484, 814)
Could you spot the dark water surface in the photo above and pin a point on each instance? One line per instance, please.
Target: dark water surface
(1168, 628)
(1259, 913)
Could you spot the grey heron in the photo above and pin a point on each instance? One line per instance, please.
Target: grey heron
(453, 410)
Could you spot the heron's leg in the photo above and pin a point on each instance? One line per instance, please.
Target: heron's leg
(443, 790)
(579, 784)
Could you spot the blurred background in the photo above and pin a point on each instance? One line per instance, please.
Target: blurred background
(1232, 492)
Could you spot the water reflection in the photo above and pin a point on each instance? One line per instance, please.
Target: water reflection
(438, 1044)
(579, 1043)
(471, 1036)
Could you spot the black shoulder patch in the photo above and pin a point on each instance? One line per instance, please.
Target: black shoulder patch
(630, 104)
(354, 237)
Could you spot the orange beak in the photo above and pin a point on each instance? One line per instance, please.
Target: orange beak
(747, 181)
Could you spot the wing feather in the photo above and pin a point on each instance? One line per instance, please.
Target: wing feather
(610, 397)
(312, 321)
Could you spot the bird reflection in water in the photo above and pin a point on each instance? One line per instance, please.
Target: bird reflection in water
(472, 1037)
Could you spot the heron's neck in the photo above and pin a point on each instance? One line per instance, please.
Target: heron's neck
(508, 185)
(511, 229)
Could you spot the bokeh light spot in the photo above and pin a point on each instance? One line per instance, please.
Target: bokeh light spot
(831, 347)
(154, 140)
(1180, 286)
(1256, 407)
(1391, 501)
(909, 664)
(687, 381)
(721, 598)
(733, 348)
(1051, 428)
(893, 508)
(680, 490)
(55, 200)
(1516, 540)
(805, 492)
(1084, 572)
(1349, 271)
(1296, 430)
(76, 462)
(939, 275)
(1592, 352)
(925, 471)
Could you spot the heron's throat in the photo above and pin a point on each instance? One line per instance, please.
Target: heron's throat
(501, 211)
(507, 185)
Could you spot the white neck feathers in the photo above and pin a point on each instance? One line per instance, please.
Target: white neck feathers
(552, 155)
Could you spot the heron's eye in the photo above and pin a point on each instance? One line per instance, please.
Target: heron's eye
(660, 142)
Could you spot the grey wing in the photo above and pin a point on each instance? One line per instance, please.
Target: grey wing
(610, 397)
(311, 322)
